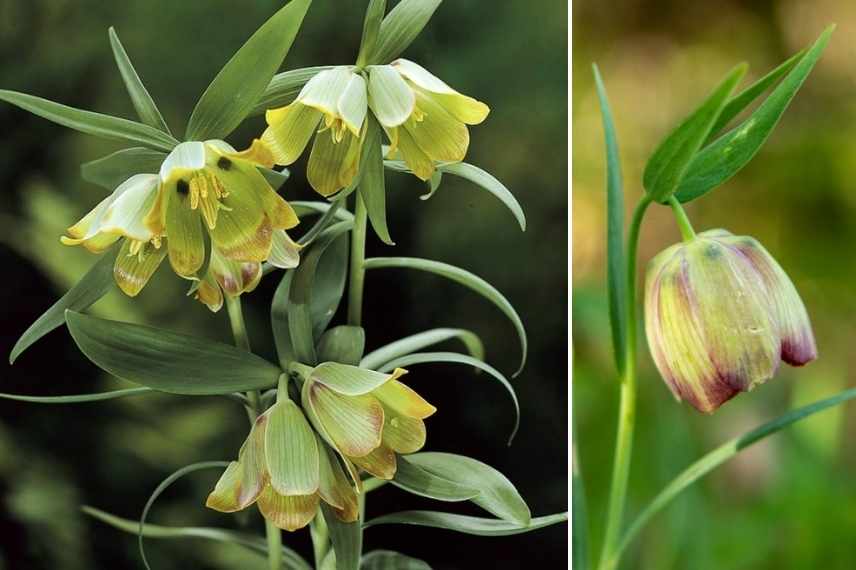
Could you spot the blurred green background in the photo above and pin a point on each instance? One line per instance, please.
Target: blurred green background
(789, 502)
(112, 455)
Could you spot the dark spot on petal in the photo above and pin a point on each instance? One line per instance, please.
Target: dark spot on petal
(182, 187)
(224, 163)
(712, 251)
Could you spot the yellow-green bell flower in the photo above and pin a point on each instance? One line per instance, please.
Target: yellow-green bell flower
(338, 97)
(720, 315)
(286, 470)
(366, 416)
(201, 187)
(425, 119)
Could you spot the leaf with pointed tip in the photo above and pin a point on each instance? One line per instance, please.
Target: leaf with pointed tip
(390, 560)
(372, 187)
(167, 361)
(275, 178)
(669, 162)
(724, 157)
(78, 398)
(414, 479)
(579, 518)
(413, 343)
(235, 91)
(464, 278)
(497, 495)
(347, 539)
(145, 106)
(307, 208)
(91, 287)
(371, 30)
(104, 126)
(455, 358)
(466, 524)
(344, 344)
(400, 28)
(112, 170)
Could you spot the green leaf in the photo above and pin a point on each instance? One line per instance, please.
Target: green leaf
(307, 208)
(390, 560)
(104, 126)
(344, 344)
(275, 178)
(414, 479)
(466, 524)
(666, 167)
(178, 474)
(743, 99)
(372, 188)
(78, 398)
(474, 174)
(167, 361)
(579, 518)
(112, 170)
(284, 88)
(400, 28)
(616, 276)
(371, 29)
(145, 106)
(723, 453)
(413, 343)
(434, 184)
(723, 158)
(464, 278)
(497, 495)
(455, 358)
(347, 539)
(237, 88)
(291, 559)
(91, 287)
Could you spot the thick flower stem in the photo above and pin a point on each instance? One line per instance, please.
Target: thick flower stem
(627, 406)
(357, 270)
(687, 231)
(239, 332)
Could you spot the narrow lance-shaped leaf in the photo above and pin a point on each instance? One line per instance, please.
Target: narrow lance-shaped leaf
(723, 453)
(372, 187)
(249, 542)
(169, 361)
(400, 28)
(667, 165)
(104, 126)
(112, 170)
(390, 560)
(416, 342)
(455, 358)
(371, 28)
(464, 278)
(466, 524)
(284, 88)
(723, 158)
(91, 287)
(743, 99)
(79, 398)
(238, 86)
(414, 479)
(616, 276)
(347, 539)
(143, 103)
(579, 518)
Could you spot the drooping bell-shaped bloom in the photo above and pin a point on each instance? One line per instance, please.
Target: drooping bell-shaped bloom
(338, 97)
(720, 315)
(366, 416)
(287, 470)
(425, 119)
(201, 188)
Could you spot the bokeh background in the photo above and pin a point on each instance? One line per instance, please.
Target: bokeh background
(790, 501)
(113, 454)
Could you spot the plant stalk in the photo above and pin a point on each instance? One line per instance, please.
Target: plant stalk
(687, 231)
(239, 332)
(357, 271)
(627, 406)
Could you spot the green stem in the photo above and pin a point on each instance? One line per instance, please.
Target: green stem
(357, 271)
(320, 535)
(239, 332)
(627, 406)
(687, 231)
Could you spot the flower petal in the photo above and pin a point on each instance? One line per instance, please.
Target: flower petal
(183, 227)
(254, 475)
(284, 252)
(133, 270)
(209, 293)
(381, 462)
(289, 130)
(353, 423)
(403, 400)
(440, 135)
(243, 231)
(416, 159)
(392, 101)
(333, 165)
(259, 153)
(291, 451)
(132, 201)
(335, 488)
(464, 108)
(403, 434)
(322, 92)
(288, 513)
(353, 104)
(351, 380)
(226, 494)
(234, 277)
(185, 158)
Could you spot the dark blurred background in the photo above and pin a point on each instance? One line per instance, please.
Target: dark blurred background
(790, 501)
(112, 454)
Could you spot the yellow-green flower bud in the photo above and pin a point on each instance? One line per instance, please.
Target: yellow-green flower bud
(720, 315)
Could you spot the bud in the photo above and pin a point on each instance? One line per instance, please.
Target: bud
(720, 315)
(287, 471)
(366, 416)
